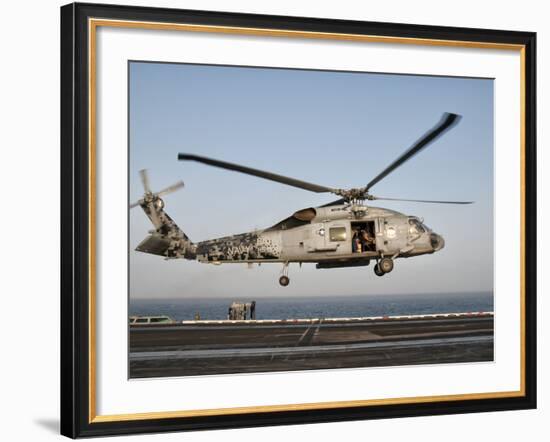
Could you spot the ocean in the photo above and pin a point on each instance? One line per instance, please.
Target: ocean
(318, 307)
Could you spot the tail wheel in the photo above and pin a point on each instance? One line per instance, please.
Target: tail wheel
(386, 265)
(284, 280)
(377, 271)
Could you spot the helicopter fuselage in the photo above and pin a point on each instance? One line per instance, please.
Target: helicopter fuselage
(344, 233)
(325, 235)
(329, 236)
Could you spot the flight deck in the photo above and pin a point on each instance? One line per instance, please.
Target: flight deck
(202, 347)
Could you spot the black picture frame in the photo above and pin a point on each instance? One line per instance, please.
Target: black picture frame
(76, 402)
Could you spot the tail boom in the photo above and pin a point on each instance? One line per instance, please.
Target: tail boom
(167, 240)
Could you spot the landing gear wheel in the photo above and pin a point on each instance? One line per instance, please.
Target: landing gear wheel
(386, 265)
(284, 280)
(377, 271)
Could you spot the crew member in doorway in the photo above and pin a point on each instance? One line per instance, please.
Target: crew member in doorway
(367, 240)
(356, 242)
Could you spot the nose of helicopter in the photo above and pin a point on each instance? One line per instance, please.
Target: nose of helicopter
(437, 241)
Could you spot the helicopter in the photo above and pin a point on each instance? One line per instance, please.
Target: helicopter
(343, 233)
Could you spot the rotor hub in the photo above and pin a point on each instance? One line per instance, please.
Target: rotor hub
(354, 194)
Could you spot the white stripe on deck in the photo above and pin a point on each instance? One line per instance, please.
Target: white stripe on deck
(357, 318)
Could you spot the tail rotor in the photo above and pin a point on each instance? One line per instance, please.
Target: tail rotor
(145, 180)
(151, 201)
(177, 186)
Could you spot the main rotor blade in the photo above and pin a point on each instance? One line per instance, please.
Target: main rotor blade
(170, 189)
(134, 204)
(420, 201)
(447, 121)
(145, 180)
(255, 172)
(371, 197)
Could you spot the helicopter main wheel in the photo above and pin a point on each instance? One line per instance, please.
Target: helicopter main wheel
(385, 265)
(377, 271)
(284, 280)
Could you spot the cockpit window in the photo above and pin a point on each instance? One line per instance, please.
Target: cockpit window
(415, 227)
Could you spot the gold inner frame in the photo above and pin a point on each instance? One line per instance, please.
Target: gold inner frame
(93, 24)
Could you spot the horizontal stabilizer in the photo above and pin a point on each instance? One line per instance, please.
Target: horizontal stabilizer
(155, 245)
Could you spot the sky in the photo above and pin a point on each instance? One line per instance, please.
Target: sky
(338, 129)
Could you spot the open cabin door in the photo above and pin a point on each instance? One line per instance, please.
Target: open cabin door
(364, 236)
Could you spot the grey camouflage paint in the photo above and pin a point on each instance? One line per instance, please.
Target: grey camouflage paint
(241, 247)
